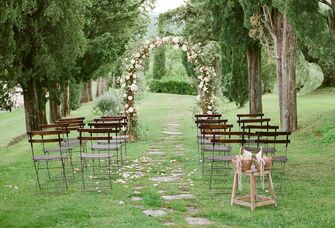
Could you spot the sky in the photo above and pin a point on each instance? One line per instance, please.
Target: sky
(165, 5)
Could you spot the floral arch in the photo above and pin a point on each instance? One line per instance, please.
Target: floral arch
(134, 67)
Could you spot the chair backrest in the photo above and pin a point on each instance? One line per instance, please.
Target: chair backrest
(207, 116)
(100, 134)
(277, 137)
(207, 128)
(71, 119)
(94, 135)
(229, 137)
(253, 121)
(210, 121)
(245, 116)
(116, 126)
(254, 128)
(119, 120)
(46, 137)
(114, 116)
(73, 125)
(273, 138)
(56, 126)
(259, 127)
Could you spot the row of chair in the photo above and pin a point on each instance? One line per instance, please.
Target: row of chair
(99, 147)
(217, 139)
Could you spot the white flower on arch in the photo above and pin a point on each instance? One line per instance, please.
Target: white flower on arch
(133, 87)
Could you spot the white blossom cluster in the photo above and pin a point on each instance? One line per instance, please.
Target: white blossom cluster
(205, 94)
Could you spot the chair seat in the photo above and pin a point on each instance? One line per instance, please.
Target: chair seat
(71, 143)
(216, 148)
(279, 158)
(96, 155)
(48, 158)
(57, 150)
(105, 147)
(221, 158)
(111, 141)
(206, 136)
(205, 141)
(121, 137)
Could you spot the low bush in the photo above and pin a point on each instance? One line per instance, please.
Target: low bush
(108, 104)
(175, 87)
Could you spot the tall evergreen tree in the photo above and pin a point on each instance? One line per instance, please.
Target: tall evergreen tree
(110, 25)
(233, 39)
(271, 25)
(39, 44)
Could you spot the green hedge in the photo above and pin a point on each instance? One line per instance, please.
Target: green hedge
(175, 87)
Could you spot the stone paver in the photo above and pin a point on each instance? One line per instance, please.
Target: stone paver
(139, 174)
(155, 213)
(172, 132)
(197, 221)
(166, 178)
(177, 197)
(169, 224)
(136, 198)
(156, 152)
(192, 209)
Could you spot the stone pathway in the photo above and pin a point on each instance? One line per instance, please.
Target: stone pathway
(166, 174)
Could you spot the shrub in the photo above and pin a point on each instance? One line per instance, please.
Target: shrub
(108, 104)
(75, 93)
(175, 87)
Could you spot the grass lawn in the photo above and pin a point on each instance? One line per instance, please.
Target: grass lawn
(307, 201)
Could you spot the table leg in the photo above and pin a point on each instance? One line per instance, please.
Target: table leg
(253, 191)
(235, 183)
(272, 191)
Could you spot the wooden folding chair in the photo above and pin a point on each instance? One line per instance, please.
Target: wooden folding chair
(95, 158)
(207, 146)
(200, 139)
(231, 139)
(53, 163)
(116, 119)
(270, 141)
(117, 142)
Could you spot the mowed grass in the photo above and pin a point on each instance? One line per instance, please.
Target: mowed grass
(307, 201)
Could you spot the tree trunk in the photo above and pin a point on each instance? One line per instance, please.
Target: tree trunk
(218, 71)
(254, 79)
(101, 84)
(114, 81)
(42, 101)
(54, 110)
(98, 92)
(65, 111)
(287, 78)
(31, 106)
(105, 85)
(86, 95)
